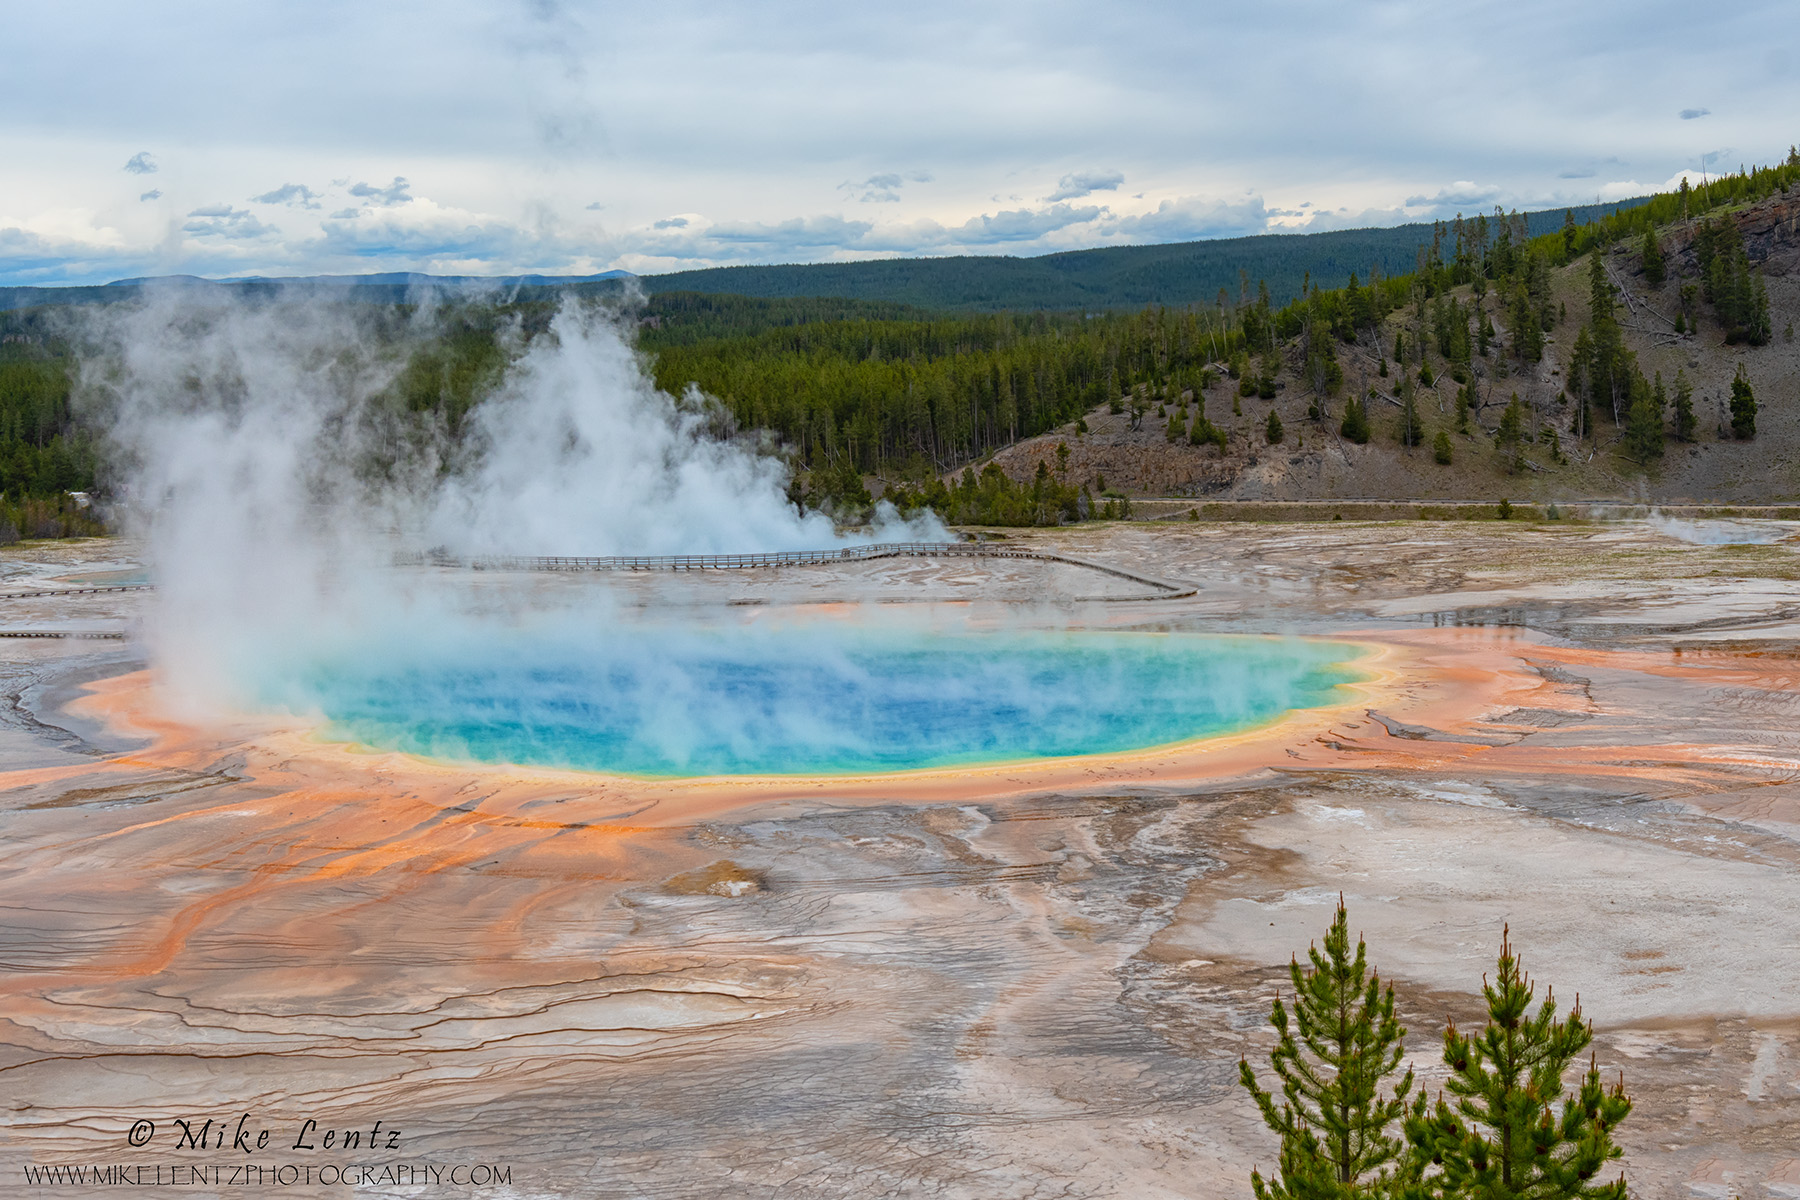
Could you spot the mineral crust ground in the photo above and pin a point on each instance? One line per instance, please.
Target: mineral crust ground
(1020, 981)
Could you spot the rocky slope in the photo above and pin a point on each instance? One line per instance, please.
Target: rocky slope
(1314, 462)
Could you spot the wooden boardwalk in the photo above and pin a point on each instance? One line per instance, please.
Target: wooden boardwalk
(801, 558)
(1161, 589)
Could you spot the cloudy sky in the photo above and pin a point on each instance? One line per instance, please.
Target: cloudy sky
(572, 136)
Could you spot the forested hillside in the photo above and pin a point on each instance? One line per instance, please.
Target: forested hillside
(1649, 356)
(1177, 275)
(44, 454)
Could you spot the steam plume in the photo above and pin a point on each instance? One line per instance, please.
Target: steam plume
(272, 476)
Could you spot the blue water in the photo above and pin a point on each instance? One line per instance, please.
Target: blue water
(809, 700)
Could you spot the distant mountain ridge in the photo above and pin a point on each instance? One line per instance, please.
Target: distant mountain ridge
(1111, 277)
(1174, 274)
(381, 279)
(388, 287)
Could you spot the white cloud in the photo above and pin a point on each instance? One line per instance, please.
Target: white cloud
(383, 197)
(884, 188)
(1077, 184)
(1713, 161)
(829, 237)
(424, 235)
(800, 233)
(295, 195)
(52, 256)
(1190, 218)
(1021, 224)
(1463, 194)
(224, 221)
(1011, 231)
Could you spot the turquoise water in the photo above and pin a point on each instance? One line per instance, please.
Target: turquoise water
(809, 700)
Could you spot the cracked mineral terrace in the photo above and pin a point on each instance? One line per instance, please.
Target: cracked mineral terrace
(1020, 981)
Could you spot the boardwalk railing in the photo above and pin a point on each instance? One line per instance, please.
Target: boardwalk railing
(729, 562)
(79, 591)
(77, 634)
(785, 558)
(674, 562)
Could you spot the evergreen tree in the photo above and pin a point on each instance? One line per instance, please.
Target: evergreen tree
(1758, 328)
(1738, 295)
(1412, 430)
(1644, 424)
(1176, 429)
(1331, 1059)
(1510, 437)
(1737, 308)
(1205, 433)
(1512, 1134)
(1537, 289)
(1580, 356)
(1601, 368)
(1548, 436)
(1356, 421)
(1512, 422)
(1140, 404)
(1527, 326)
(1271, 363)
(1582, 422)
(1440, 449)
(1041, 484)
(1273, 430)
(1684, 408)
(1743, 407)
(1655, 269)
(1600, 290)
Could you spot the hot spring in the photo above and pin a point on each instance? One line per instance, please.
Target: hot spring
(804, 699)
(285, 494)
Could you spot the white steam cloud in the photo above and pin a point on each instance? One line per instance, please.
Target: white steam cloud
(272, 476)
(581, 454)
